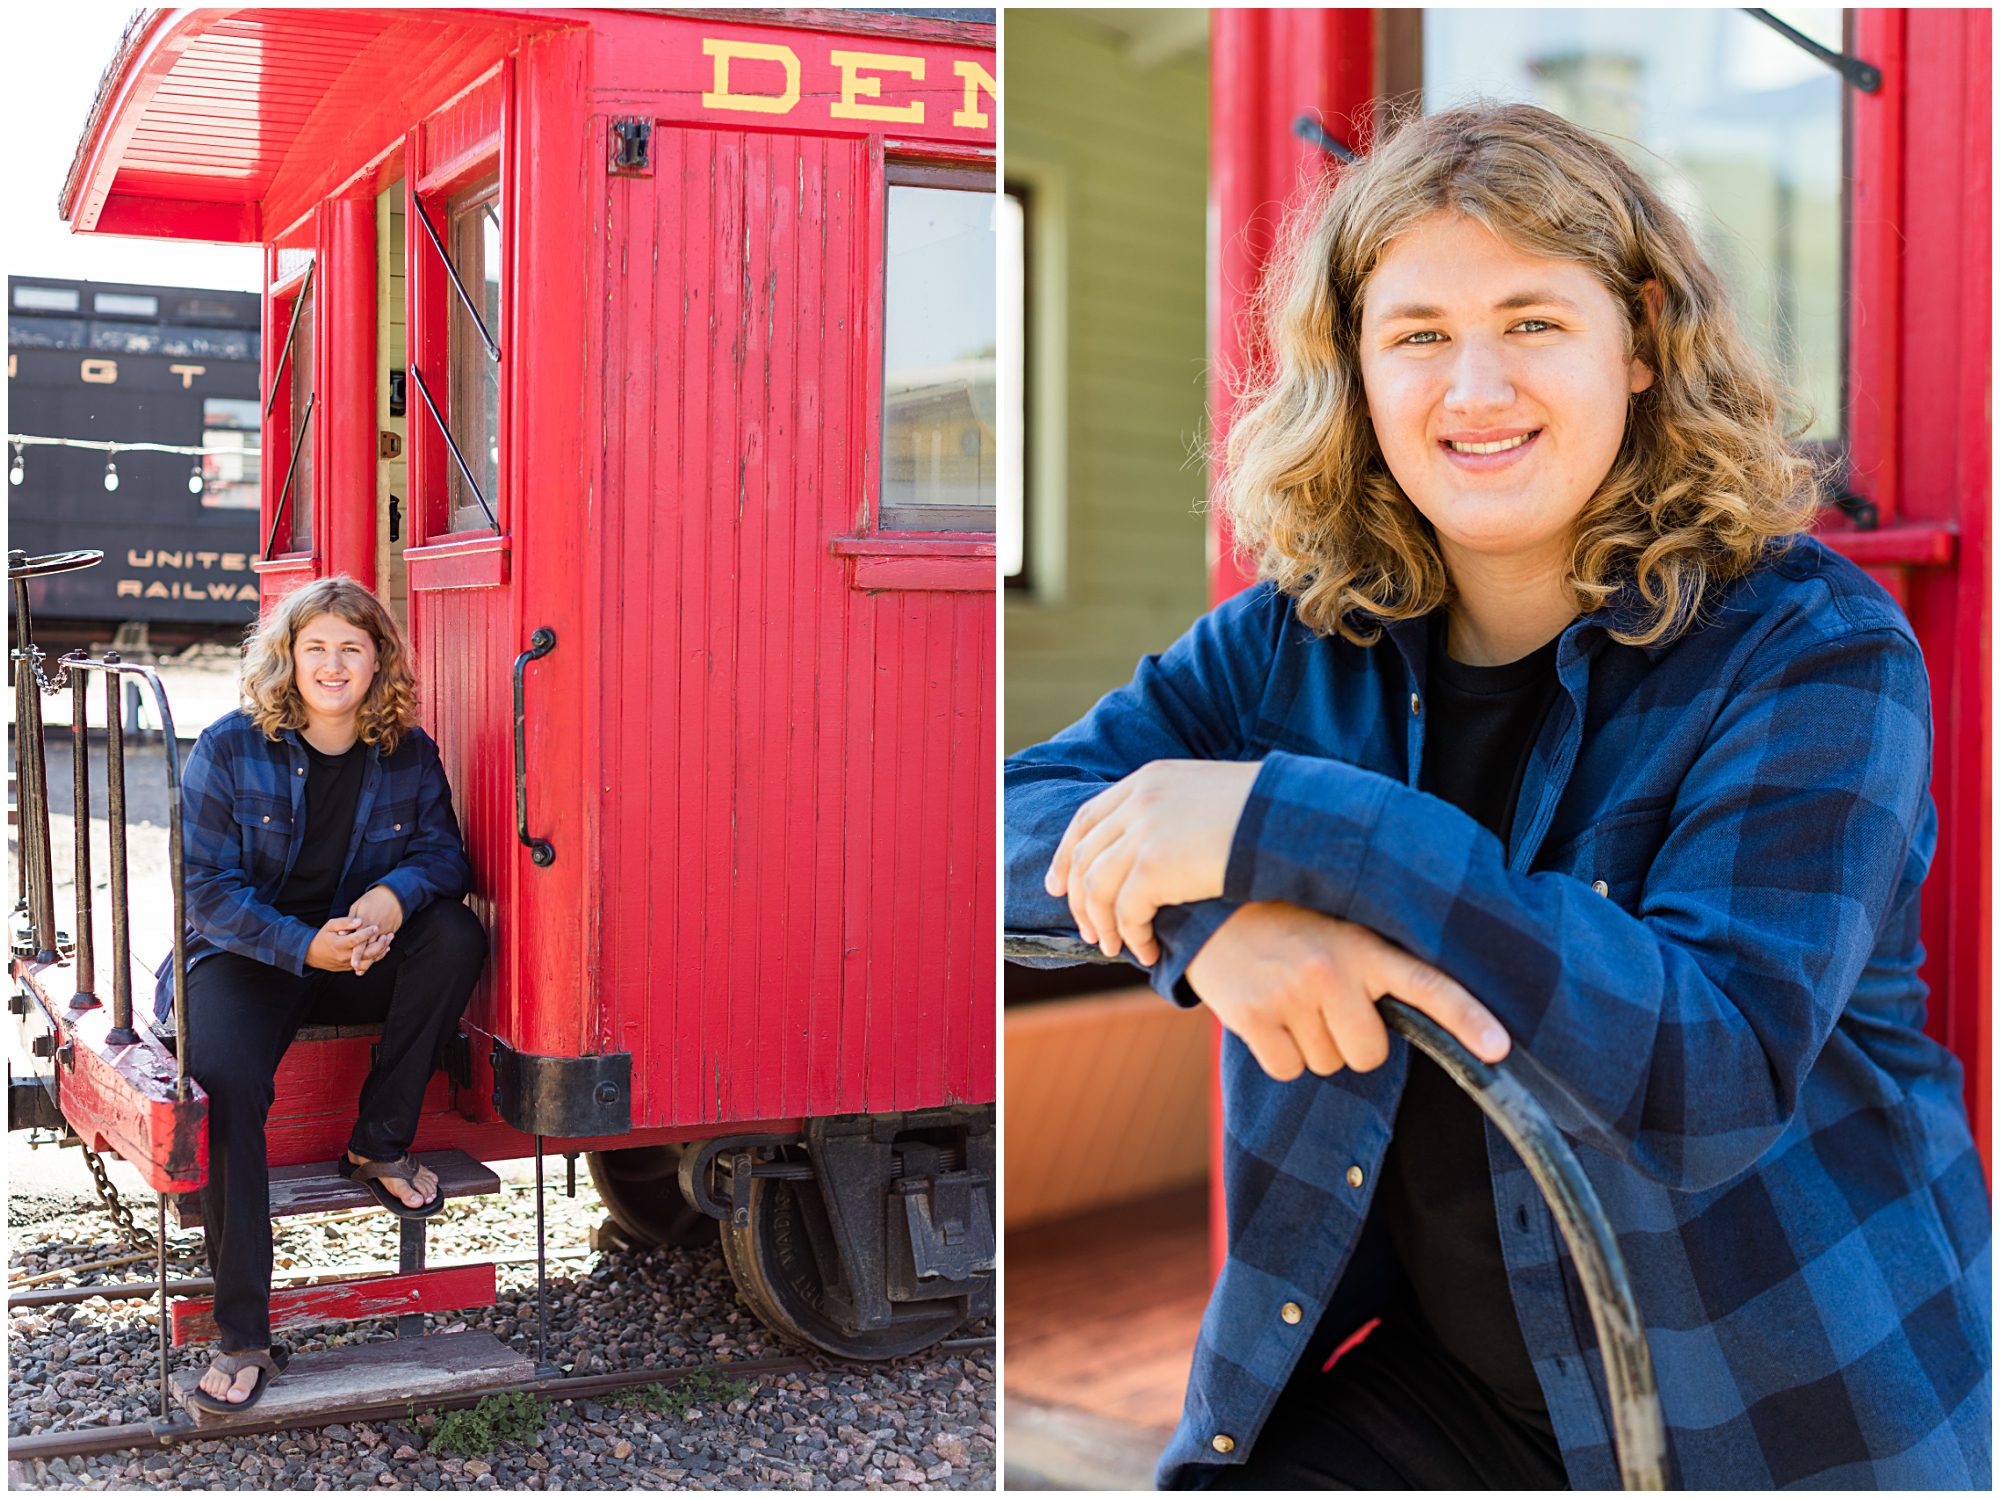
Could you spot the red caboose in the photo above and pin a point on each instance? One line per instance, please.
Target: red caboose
(638, 361)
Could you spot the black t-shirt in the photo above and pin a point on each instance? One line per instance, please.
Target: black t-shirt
(333, 787)
(1436, 1191)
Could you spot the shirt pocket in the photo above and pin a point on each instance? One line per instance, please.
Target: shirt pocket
(388, 833)
(264, 830)
(1615, 855)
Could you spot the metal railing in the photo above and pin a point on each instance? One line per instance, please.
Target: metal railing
(1638, 1428)
(31, 683)
(41, 942)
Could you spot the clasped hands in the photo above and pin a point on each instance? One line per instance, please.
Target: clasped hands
(1297, 987)
(357, 941)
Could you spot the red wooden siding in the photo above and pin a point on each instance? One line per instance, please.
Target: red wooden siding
(794, 768)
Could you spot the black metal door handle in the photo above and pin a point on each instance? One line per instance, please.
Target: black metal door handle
(539, 645)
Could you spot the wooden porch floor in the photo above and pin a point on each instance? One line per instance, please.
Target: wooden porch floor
(1102, 1310)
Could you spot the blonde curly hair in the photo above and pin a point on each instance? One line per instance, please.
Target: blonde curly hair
(271, 697)
(1704, 478)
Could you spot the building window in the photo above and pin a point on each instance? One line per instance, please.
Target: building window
(298, 518)
(1012, 248)
(474, 410)
(939, 439)
(230, 462)
(1737, 128)
(47, 298)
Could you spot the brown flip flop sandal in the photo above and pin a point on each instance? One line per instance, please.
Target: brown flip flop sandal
(369, 1174)
(269, 1364)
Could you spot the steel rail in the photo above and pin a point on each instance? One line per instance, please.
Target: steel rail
(134, 1435)
(1639, 1429)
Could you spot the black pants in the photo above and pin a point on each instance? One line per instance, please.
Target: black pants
(1394, 1413)
(242, 1014)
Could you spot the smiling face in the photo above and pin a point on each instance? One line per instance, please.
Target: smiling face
(1498, 385)
(333, 664)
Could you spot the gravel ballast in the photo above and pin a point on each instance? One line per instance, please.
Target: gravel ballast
(917, 1423)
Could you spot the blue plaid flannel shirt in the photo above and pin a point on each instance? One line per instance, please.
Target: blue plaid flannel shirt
(1731, 1037)
(243, 819)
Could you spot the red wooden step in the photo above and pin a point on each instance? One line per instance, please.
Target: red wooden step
(451, 1289)
(320, 1188)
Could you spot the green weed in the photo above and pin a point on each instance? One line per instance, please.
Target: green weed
(497, 1421)
(702, 1387)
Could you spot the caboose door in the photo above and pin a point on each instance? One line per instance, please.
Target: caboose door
(467, 516)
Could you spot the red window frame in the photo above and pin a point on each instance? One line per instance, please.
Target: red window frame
(284, 283)
(907, 164)
(461, 146)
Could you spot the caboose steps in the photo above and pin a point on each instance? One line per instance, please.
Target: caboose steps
(452, 1288)
(320, 1188)
(370, 1374)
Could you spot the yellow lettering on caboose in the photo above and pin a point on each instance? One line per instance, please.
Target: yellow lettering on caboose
(722, 96)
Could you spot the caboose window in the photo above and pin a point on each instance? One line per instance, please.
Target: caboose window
(299, 374)
(940, 447)
(474, 241)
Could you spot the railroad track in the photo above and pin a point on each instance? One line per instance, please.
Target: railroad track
(133, 1435)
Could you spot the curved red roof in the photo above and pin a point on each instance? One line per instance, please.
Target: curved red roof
(224, 125)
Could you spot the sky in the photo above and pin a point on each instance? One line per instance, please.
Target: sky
(51, 57)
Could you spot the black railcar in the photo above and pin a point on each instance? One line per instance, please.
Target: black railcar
(133, 422)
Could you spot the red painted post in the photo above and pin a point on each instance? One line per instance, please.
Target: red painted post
(1942, 460)
(345, 498)
(1268, 67)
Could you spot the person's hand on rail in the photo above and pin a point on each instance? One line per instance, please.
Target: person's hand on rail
(1159, 837)
(1299, 989)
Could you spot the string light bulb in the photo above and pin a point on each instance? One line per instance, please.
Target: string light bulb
(110, 476)
(17, 472)
(194, 479)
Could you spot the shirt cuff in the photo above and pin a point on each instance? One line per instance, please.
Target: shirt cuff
(1182, 931)
(295, 940)
(1305, 832)
(407, 888)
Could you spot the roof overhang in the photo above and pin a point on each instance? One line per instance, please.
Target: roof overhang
(208, 118)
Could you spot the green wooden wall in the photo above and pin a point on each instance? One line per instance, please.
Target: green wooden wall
(1115, 153)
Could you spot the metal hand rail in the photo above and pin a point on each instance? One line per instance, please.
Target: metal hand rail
(114, 667)
(1638, 1428)
(38, 879)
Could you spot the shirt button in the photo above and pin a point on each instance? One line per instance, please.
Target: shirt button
(1292, 1312)
(267, 819)
(399, 827)
(1354, 1176)
(1600, 887)
(302, 770)
(1223, 1442)
(1416, 706)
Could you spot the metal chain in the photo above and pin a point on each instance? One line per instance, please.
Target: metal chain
(120, 1214)
(34, 656)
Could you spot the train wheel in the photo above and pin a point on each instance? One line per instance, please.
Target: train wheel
(641, 1190)
(780, 1275)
